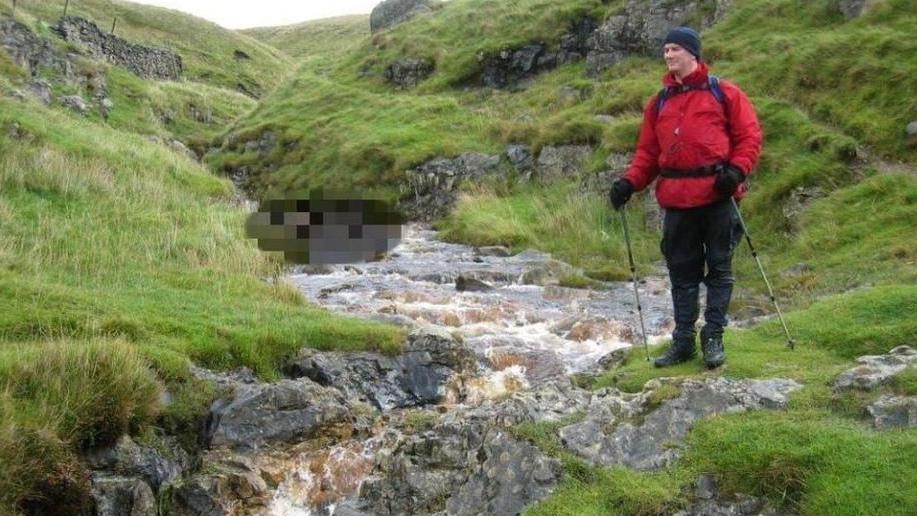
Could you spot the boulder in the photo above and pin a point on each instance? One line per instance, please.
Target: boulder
(468, 284)
(154, 465)
(520, 156)
(120, 496)
(223, 482)
(256, 415)
(392, 12)
(417, 377)
(894, 412)
(876, 370)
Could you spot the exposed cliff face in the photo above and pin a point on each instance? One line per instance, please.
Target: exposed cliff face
(146, 62)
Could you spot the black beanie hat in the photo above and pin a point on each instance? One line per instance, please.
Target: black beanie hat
(685, 37)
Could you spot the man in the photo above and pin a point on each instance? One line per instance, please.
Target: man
(701, 138)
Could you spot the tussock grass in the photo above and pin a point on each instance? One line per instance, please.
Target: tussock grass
(122, 263)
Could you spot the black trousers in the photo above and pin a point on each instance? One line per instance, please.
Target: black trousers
(692, 239)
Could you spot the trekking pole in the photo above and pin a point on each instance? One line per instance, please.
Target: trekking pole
(633, 272)
(789, 341)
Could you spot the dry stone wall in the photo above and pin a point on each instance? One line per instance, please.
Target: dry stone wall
(145, 62)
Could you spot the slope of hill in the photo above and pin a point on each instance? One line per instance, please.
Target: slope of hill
(324, 38)
(210, 53)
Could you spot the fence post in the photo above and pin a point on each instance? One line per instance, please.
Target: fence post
(66, 5)
(114, 21)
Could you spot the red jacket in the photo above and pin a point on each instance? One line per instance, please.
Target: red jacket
(694, 130)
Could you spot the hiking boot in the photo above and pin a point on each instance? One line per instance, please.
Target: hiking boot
(712, 346)
(681, 350)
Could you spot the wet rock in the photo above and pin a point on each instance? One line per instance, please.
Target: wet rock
(466, 464)
(876, 370)
(75, 103)
(538, 365)
(613, 360)
(506, 477)
(392, 12)
(493, 250)
(521, 158)
(407, 73)
(622, 429)
(894, 412)
(416, 377)
(467, 284)
(547, 273)
(128, 459)
(121, 496)
(556, 163)
(256, 415)
(225, 480)
(642, 27)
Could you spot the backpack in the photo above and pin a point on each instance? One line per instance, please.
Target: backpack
(713, 86)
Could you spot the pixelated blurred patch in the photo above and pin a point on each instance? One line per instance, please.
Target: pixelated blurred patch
(323, 227)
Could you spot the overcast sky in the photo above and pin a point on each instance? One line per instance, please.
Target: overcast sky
(242, 14)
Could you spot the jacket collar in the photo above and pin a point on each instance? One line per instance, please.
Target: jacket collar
(696, 78)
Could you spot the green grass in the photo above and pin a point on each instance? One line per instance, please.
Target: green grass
(207, 50)
(316, 39)
(818, 457)
(122, 263)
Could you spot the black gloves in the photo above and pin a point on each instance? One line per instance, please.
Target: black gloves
(728, 180)
(620, 192)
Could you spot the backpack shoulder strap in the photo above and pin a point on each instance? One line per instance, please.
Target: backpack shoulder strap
(714, 85)
(661, 97)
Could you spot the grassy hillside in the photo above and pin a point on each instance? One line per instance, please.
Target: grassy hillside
(207, 50)
(315, 39)
(122, 254)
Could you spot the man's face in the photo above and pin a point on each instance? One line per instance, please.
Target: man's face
(678, 60)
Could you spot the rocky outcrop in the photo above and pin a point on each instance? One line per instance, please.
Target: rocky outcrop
(435, 183)
(468, 462)
(146, 62)
(407, 73)
(556, 163)
(624, 429)
(150, 464)
(709, 502)
(506, 67)
(876, 370)
(641, 28)
(392, 12)
(32, 52)
(520, 155)
(419, 376)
